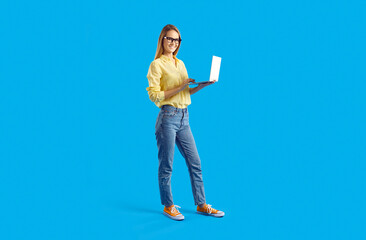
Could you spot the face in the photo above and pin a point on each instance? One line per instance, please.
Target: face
(170, 47)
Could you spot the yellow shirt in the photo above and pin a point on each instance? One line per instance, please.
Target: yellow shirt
(164, 75)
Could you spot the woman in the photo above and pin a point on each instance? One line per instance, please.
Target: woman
(168, 89)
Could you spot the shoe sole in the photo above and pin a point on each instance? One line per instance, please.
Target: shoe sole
(181, 218)
(213, 215)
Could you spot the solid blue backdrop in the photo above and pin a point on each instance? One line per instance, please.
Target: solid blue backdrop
(281, 136)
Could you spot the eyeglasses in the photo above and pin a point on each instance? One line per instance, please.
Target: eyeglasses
(175, 40)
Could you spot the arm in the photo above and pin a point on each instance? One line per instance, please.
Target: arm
(196, 89)
(199, 87)
(172, 92)
(154, 90)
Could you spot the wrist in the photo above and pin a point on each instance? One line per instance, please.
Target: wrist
(182, 87)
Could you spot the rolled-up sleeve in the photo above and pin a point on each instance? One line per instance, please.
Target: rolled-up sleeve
(154, 90)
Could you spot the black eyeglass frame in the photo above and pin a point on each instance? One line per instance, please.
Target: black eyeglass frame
(177, 40)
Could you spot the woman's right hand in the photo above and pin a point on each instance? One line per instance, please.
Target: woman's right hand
(186, 81)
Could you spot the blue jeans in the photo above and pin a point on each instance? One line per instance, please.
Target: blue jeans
(172, 127)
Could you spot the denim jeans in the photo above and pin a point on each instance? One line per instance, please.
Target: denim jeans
(172, 127)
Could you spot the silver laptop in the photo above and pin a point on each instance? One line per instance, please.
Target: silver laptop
(215, 70)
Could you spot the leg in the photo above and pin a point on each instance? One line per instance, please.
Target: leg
(187, 148)
(165, 138)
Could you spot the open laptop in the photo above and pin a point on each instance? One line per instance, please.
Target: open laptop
(215, 70)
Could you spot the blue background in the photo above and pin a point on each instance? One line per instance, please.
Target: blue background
(281, 136)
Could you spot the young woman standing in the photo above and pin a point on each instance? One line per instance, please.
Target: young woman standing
(168, 89)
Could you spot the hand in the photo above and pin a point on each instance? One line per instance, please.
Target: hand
(202, 85)
(186, 81)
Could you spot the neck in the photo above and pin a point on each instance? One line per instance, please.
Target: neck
(170, 55)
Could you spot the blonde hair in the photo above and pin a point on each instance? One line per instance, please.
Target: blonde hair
(160, 48)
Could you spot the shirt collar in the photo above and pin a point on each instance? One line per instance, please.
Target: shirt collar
(167, 59)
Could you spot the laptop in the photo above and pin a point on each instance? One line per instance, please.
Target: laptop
(215, 70)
